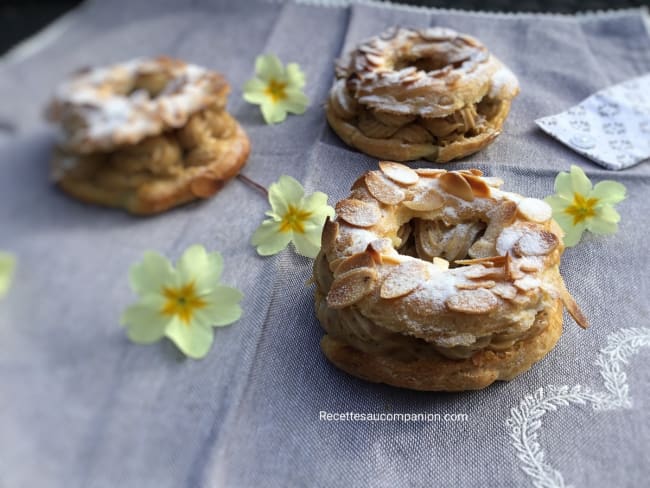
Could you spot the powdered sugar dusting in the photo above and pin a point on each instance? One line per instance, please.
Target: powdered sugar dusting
(111, 115)
(504, 84)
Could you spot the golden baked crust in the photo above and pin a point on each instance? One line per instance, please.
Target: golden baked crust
(145, 135)
(159, 172)
(411, 94)
(101, 109)
(438, 373)
(429, 267)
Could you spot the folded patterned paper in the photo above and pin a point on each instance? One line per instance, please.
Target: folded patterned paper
(611, 127)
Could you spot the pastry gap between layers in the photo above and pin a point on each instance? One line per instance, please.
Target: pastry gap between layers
(469, 121)
(367, 334)
(199, 142)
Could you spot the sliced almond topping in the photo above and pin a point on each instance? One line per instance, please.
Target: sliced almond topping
(380, 245)
(404, 279)
(358, 183)
(382, 189)
(505, 291)
(330, 232)
(359, 260)
(475, 285)
(456, 185)
(529, 268)
(472, 302)
(573, 308)
(479, 187)
(441, 263)
(493, 261)
(335, 263)
(391, 259)
(535, 210)
(493, 181)
(425, 202)
(527, 283)
(399, 173)
(471, 172)
(358, 213)
(374, 59)
(480, 272)
(505, 213)
(374, 254)
(536, 243)
(348, 288)
(430, 172)
(512, 273)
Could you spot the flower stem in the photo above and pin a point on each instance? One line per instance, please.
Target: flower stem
(253, 184)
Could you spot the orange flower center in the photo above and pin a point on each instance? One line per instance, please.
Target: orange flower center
(276, 90)
(582, 208)
(182, 302)
(294, 220)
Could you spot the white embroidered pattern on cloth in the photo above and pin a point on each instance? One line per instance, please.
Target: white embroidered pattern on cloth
(525, 420)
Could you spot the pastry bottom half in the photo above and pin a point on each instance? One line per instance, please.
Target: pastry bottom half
(438, 373)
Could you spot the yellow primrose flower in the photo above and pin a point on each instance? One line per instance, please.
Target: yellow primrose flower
(294, 217)
(276, 89)
(182, 303)
(7, 267)
(577, 206)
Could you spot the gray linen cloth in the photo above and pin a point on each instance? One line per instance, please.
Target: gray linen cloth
(81, 406)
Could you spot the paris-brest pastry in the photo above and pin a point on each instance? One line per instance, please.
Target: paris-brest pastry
(420, 94)
(145, 135)
(439, 280)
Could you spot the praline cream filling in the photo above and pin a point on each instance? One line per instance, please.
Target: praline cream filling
(368, 330)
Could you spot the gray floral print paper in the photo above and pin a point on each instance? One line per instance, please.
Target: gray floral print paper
(611, 127)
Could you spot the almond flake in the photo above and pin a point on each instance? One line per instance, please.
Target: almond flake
(382, 189)
(529, 268)
(359, 260)
(504, 213)
(391, 259)
(441, 263)
(481, 272)
(479, 187)
(472, 302)
(404, 279)
(330, 232)
(505, 291)
(573, 308)
(358, 213)
(399, 173)
(471, 172)
(492, 261)
(348, 288)
(456, 185)
(535, 210)
(425, 202)
(527, 283)
(374, 254)
(430, 172)
(374, 60)
(536, 243)
(493, 181)
(475, 285)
